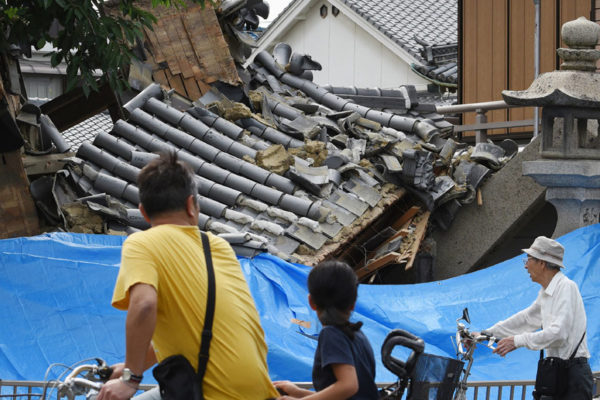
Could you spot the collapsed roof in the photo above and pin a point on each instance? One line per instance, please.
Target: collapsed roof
(299, 171)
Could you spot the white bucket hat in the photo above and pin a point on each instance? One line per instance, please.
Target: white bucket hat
(547, 249)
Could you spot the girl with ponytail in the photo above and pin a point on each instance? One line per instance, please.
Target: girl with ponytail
(344, 365)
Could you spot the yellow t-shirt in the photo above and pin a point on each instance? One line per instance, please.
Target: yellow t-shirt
(171, 259)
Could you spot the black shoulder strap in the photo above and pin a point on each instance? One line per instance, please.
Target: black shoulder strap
(210, 313)
(576, 348)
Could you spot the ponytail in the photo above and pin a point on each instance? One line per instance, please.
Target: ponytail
(332, 316)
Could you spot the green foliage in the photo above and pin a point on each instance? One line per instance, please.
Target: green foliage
(85, 35)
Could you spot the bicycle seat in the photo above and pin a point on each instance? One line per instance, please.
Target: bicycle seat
(403, 338)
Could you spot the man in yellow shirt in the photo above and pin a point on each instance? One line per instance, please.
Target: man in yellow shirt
(162, 283)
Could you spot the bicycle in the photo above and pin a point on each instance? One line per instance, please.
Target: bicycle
(428, 376)
(82, 380)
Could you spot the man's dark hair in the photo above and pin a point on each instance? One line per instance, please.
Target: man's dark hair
(333, 287)
(165, 184)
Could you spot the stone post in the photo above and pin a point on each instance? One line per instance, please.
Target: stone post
(570, 148)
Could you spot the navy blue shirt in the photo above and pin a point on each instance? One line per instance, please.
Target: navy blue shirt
(335, 347)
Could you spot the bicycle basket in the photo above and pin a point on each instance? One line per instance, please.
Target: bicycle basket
(435, 377)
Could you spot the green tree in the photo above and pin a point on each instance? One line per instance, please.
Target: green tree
(88, 35)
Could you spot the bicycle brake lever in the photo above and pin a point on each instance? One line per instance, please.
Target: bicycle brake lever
(492, 342)
(105, 373)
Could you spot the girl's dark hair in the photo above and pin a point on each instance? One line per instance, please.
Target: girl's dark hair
(333, 288)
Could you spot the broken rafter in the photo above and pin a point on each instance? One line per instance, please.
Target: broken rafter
(407, 216)
(419, 236)
(375, 265)
(345, 241)
(405, 257)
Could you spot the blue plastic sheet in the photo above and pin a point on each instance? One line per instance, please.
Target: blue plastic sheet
(55, 293)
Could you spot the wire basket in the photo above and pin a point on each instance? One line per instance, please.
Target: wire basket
(435, 377)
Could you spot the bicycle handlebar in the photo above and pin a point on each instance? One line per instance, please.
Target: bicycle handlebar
(95, 377)
(463, 336)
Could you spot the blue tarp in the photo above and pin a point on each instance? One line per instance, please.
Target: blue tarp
(55, 291)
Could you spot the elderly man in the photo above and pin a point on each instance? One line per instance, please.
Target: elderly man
(555, 322)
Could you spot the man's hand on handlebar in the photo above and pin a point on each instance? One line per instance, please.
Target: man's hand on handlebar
(116, 389)
(505, 346)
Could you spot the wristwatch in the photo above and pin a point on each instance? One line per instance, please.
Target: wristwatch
(129, 376)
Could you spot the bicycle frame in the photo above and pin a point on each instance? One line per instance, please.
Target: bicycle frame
(466, 338)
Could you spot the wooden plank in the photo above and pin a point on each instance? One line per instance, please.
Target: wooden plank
(420, 231)
(469, 55)
(407, 256)
(499, 61)
(155, 45)
(375, 265)
(485, 51)
(46, 164)
(18, 216)
(520, 29)
(160, 77)
(548, 42)
(407, 216)
(176, 83)
(185, 67)
(204, 87)
(192, 89)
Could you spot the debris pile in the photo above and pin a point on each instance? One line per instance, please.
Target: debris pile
(297, 171)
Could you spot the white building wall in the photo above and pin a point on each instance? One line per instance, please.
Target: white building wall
(350, 56)
(43, 86)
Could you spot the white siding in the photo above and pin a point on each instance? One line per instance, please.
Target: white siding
(350, 56)
(43, 86)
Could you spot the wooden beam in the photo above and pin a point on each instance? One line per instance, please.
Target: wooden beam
(419, 235)
(407, 216)
(406, 257)
(375, 265)
(18, 216)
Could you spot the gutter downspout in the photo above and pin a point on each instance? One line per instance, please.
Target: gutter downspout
(536, 57)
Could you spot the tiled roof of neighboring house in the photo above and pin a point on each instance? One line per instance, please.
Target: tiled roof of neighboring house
(435, 22)
(301, 173)
(87, 130)
(389, 100)
(400, 20)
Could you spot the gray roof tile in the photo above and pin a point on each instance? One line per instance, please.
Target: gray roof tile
(280, 212)
(435, 21)
(87, 130)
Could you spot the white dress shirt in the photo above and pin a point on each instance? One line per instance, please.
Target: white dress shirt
(559, 310)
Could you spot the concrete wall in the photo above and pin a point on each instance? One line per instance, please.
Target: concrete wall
(510, 200)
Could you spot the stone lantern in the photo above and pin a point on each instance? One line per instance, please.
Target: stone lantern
(569, 166)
